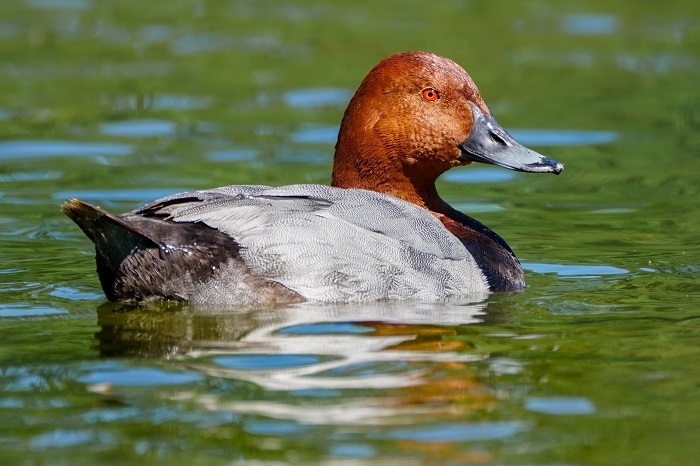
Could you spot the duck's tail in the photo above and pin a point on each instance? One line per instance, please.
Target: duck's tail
(110, 233)
(142, 258)
(115, 240)
(83, 214)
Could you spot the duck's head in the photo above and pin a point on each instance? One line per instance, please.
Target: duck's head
(414, 116)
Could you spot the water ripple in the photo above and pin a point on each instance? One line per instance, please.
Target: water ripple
(662, 63)
(316, 134)
(31, 176)
(318, 97)
(162, 102)
(36, 149)
(479, 175)
(461, 432)
(579, 271)
(474, 207)
(28, 310)
(139, 195)
(564, 405)
(590, 24)
(552, 137)
(266, 361)
(75, 295)
(137, 377)
(65, 438)
(234, 155)
(60, 4)
(139, 128)
(198, 43)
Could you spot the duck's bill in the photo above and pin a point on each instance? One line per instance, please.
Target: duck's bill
(489, 143)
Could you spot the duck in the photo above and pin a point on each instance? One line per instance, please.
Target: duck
(379, 232)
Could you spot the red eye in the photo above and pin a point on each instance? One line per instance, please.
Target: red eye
(430, 94)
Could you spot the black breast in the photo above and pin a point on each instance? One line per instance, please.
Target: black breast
(493, 255)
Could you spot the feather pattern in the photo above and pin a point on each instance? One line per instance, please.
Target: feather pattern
(331, 244)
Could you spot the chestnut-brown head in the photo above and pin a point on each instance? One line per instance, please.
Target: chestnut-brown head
(414, 116)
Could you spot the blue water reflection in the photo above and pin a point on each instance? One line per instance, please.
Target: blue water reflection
(266, 361)
(113, 195)
(321, 328)
(589, 24)
(139, 128)
(233, 155)
(31, 176)
(318, 97)
(304, 156)
(273, 428)
(60, 4)
(461, 432)
(353, 450)
(115, 374)
(660, 63)
(315, 134)
(195, 43)
(578, 271)
(73, 294)
(560, 405)
(65, 438)
(22, 149)
(478, 175)
(162, 102)
(548, 137)
(29, 310)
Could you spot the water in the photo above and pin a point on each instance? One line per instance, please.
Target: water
(595, 363)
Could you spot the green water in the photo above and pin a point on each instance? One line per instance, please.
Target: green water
(120, 102)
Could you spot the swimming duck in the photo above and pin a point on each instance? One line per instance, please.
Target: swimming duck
(379, 232)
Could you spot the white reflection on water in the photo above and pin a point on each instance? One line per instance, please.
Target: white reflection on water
(348, 348)
(313, 351)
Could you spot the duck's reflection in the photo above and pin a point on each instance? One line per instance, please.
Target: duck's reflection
(171, 329)
(362, 360)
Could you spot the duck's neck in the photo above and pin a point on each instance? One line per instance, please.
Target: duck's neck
(390, 176)
(397, 185)
(492, 254)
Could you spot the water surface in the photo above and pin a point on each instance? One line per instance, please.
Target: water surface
(595, 363)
